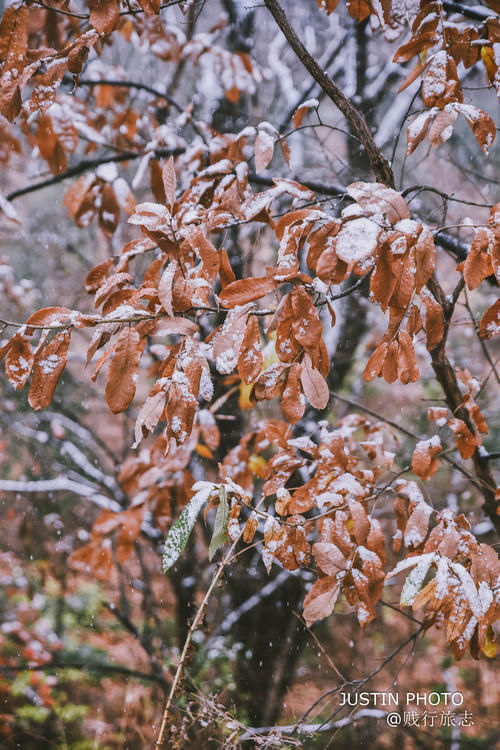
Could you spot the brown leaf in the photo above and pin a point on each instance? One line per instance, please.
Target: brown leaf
(149, 415)
(306, 326)
(250, 358)
(208, 428)
(169, 181)
(301, 110)
(250, 528)
(383, 279)
(328, 5)
(19, 361)
(123, 370)
(329, 558)
(47, 368)
(51, 316)
(477, 263)
(490, 322)
(482, 125)
(442, 127)
(165, 287)
(293, 403)
(96, 276)
(375, 363)
(466, 442)
(425, 253)
(418, 525)
(208, 254)
(408, 371)
(246, 290)
(424, 462)
(320, 600)
(226, 273)
(264, 149)
(417, 130)
(314, 385)
(109, 210)
(360, 519)
(375, 198)
(434, 324)
(104, 15)
(390, 366)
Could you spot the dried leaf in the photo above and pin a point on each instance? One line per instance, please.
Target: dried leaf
(424, 462)
(48, 366)
(246, 290)
(123, 370)
(19, 361)
(264, 149)
(250, 358)
(314, 385)
(169, 181)
(490, 322)
(104, 15)
(320, 600)
(293, 403)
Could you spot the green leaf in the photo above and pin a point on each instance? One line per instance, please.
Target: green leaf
(219, 536)
(180, 531)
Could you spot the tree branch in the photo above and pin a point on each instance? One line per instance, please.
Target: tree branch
(474, 13)
(379, 165)
(61, 484)
(86, 165)
(106, 668)
(130, 85)
(446, 377)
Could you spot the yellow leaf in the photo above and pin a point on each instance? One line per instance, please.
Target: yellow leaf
(490, 647)
(257, 465)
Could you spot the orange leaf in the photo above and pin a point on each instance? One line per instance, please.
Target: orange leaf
(490, 322)
(250, 358)
(424, 462)
(122, 375)
(104, 15)
(314, 385)
(293, 403)
(320, 600)
(246, 290)
(47, 368)
(19, 361)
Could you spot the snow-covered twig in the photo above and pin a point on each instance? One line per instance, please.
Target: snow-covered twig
(60, 484)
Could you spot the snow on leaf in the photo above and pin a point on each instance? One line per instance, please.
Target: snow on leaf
(19, 361)
(148, 415)
(264, 149)
(165, 287)
(375, 198)
(415, 580)
(410, 562)
(301, 110)
(357, 240)
(48, 366)
(469, 589)
(490, 322)
(181, 529)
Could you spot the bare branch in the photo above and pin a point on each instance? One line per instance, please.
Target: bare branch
(380, 166)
